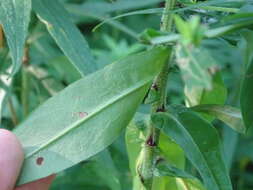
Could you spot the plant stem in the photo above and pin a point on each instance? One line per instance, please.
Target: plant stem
(160, 86)
(1, 37)
(167, 20)
(14, 117)
(25, 83)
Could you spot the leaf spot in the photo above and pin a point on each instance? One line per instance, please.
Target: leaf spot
(39, 161)
(82, 114)
(150, 142)
(155, 87)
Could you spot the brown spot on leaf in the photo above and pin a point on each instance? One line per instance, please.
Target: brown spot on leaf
(39, 161)
(150, 142)
(155, 86)
(82, 114)
(161, 109)
(159, 159)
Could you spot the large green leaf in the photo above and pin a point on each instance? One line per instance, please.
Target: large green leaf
(229, 115)
(246, 96)
(204, 151)
(66, 34)
(87, 116)
(15, 17)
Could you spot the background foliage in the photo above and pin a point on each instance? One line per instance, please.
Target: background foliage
(56, 56)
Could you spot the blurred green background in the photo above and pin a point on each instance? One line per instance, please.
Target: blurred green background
(112, 41)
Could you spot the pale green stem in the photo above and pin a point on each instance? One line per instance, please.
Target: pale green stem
(25, 84)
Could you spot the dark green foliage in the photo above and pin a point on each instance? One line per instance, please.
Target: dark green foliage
(79, 94)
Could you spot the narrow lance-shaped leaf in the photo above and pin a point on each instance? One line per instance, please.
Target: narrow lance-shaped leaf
(229, 115)
(248, 46)
(246, 97)
(184, 180)
(66, 34)
(15, 17)
(166, 169)
(87, 116)
(204, 152)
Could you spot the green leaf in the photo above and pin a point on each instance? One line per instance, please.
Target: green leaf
(148, 34)
(230, 142)
(247, 8)
(189, 184)
(246, 96)
(66, 34)
(107, 172)
(103, 8)
(134, 139)
(93, 14)
(192, 32)
(173, 154)
(200, 95)
(87, 116)
(229, 115)
(182, 27)
(171, 151)
(195, 65)
(160, 10)
(165, 169)
(168, 149)
(204, 151)
(211, 33)
(15, 17)
(248, 47)
(183, 180)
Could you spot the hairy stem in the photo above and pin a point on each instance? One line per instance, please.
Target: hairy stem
(160, 87)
